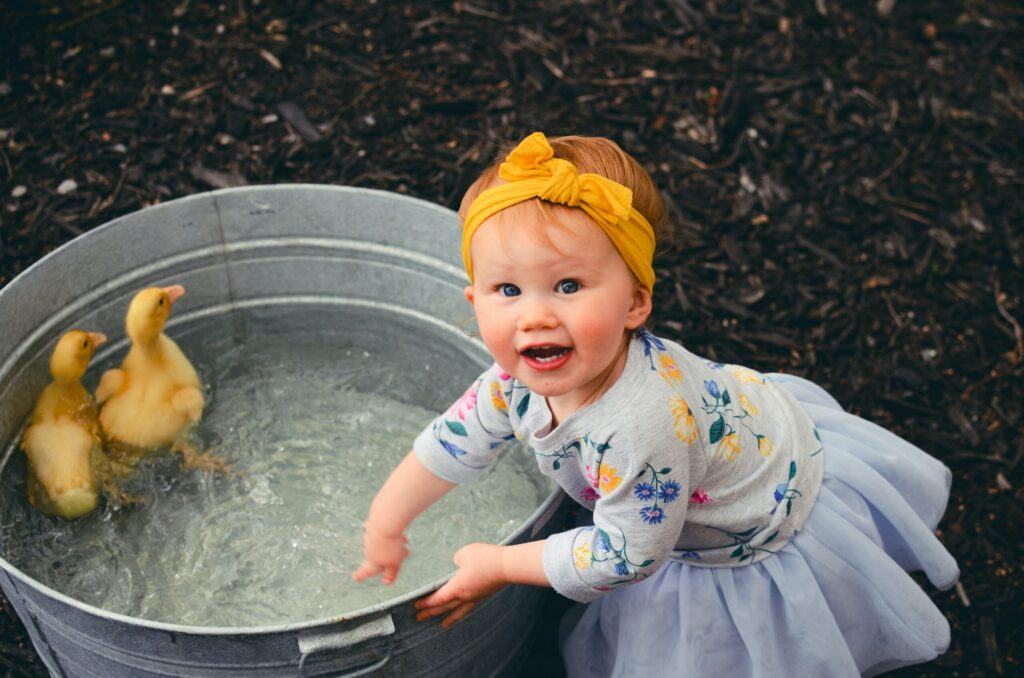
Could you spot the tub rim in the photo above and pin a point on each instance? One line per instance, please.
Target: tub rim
(236, 190)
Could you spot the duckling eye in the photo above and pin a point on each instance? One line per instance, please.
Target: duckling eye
(85, 343)
(161, 302)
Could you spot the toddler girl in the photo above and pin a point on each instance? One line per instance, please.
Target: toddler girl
(743, 524)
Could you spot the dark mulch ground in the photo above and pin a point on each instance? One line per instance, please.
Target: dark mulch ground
(845, 185)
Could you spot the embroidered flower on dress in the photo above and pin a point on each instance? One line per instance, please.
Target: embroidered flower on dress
(723, 429)
(497, 397)
(583, 556)
(669, 491)
(669, 370)
(453, 450)
(466, 403)
(652, 515)
(712, 388)
(747, 376)
(644, 491)
(650, 343)
(608, 478)
(504, 376)
(649, 340)
(685, 426)
(748, 406)
(784, 492)
(589, 494)
(658, 489)
(765, 446)
(700, 496)
(730, 447)
(617, 558)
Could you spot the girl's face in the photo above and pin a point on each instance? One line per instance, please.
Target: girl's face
(554, 302)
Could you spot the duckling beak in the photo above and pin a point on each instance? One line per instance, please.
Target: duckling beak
(98, 338)
(175, 292)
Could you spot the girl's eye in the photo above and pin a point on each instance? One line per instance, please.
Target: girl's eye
(508, 290)
(568, 287)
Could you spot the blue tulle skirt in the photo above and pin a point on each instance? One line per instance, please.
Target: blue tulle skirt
(835, 601)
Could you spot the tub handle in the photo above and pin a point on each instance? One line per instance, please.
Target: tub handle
(322, 641)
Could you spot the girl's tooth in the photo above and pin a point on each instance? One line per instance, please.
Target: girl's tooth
(547, 359)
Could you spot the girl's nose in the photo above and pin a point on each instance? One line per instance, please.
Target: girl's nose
(536, 314)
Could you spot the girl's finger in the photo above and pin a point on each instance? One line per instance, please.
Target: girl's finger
(459, 613)
(390, 574)
(366, 570)
(437, 610)
(443, 595)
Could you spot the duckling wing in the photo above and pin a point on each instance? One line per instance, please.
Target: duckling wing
(143, 414)
(111, 382)
(59, 452)
(188, 400)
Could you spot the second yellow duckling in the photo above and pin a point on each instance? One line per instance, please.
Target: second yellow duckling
(155, 398)
(62, 440)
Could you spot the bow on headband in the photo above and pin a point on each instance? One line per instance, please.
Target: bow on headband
(532, 171)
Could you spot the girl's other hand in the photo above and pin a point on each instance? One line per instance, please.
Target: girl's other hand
(382, 554)
(480, 573)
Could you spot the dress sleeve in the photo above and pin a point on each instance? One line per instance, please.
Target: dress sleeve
(462, 443)
(638, 516)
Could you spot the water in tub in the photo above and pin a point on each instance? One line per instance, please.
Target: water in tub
(312, 414)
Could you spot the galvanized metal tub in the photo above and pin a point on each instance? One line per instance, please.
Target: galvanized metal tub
(360, 250)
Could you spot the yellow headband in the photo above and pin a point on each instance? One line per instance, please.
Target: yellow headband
(532, 171)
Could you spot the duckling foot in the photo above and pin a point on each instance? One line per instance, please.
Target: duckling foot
(117, 459)
(193, 458)
(118, 498)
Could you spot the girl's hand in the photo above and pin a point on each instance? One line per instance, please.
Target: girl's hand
(382, 554)
(479, 575)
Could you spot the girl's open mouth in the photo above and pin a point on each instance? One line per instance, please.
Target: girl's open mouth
(546, 357)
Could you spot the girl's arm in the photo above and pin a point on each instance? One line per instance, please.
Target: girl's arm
(483, 569)
(409, 491)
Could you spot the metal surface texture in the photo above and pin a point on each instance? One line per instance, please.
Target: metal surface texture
(244, 248)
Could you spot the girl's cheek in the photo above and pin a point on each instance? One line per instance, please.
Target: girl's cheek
(497, 339)
(492, 339)
(503, 353)
(598, 328)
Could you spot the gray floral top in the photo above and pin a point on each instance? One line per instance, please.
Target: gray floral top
(682, 458)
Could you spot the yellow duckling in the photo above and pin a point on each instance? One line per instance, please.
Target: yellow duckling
(155, 398)
(62, 439)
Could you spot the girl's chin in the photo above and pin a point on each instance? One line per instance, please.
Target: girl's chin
(542, 386)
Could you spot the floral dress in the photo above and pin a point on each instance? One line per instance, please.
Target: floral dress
(681, 459)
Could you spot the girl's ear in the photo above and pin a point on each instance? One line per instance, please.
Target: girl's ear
(469, 293)
(640, 308)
